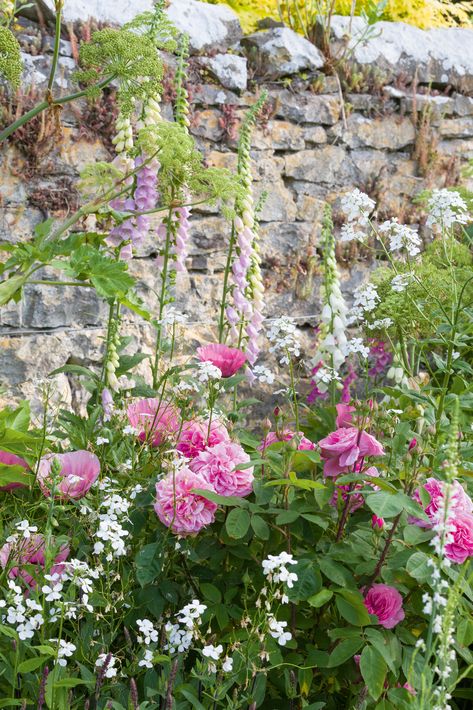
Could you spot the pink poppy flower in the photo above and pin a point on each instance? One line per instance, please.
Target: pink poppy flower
(228, 360)
(460, 546)
(30, 551)
(177, 507)
(155, 421)
(195, 436)
(385, 602)
(344, 447)
(218, 465)
(79, 470)
(12, 460)
(459, 501)
(273, 437)
(344, 415)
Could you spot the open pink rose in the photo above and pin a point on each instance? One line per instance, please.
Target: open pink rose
(228, 360)
(461, 535)
(155, 421)
(344, 447)
(386, 603)
(218, 465)
(79, 470)
(195, 436)
(12, 460)
(344, 415)
(178, 507)
(273, 437)
(18, 554)
(459, 501)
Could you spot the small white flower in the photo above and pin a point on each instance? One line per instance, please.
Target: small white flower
(227, 665)
(64, 651)
(355, 345)
(276, 630)
(351, 233)
(400, 282)
(401, 237)
(128, 429)
(263, 374)
(147, 660)
(446, 207)
(26, 529)
(102, 440)
(357, 206)
(380, 324)
(207, 372)
(212, 651)
(111, 671)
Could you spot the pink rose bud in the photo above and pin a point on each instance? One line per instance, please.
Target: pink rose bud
(370, 404)
(377, 523)
(276, 411)
(266, 424)
(412, 444)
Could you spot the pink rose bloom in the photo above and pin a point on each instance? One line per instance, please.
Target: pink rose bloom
(344, 418)
(461, 536)
(178, 507)
(12, 460)
(356, 499)
(195, 436)
(154, 420)
(79, 470)
(218, 465)
(30, 551)
(228, 360)
(459, 501)
(273, 437)
(386, 603)
(342, 448)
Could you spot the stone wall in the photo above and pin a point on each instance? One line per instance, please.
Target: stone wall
(406, 125)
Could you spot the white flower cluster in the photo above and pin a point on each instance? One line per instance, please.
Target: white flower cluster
(401, 237)
(380, 324)
(275, 569)
(324, 376)
(446, 207)
(64, 651)
(263, 374)
(22, 612)
(356, 345)
(365, 300)
(284, 337)
(148, 635)
(215, 653)
(180, 635)
(25, 529)
(277, 630)
(357, 207)
(109, 661)
(111, 534)
(173, 317)
(79, 574)
(208, 372)
(400, 282)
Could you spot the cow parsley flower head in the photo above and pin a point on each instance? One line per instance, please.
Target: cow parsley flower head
(357, 206)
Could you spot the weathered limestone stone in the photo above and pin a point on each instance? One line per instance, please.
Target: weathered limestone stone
(456, 127)
(309, 208)
(280, 52)
(210, 27)
(441, 55)
(281, 241)
(229, 69)
(207, 124)
(278, 135)
(308, 108)
(463, 105)
(119, 11)
(279, 205)
(315, 135)
(325, 165)
(391, 132)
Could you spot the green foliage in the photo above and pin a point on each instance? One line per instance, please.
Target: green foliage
(129, 58)
(11, 65)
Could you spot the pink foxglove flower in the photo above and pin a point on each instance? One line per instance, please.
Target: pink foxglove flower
(459, 501)
(460, 538)
(218, 465)
(273, 437)
(12, 460)
(195, 436)
(228, 360)
(385, 602)
(180, 509)
(79, 471)
(17, 554)
(344, 415)
(344, 447)
(155, 421)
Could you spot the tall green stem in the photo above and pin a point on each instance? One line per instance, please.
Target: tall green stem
(221, 324)
(57, 41)
(162, 297)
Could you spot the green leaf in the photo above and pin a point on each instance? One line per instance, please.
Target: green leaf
(343, 651)
(373, 669)
(237, 523)
(75, 370)
(351, 606)
(286, 517)
(385, 505)
(321, 598)
(260, 527)
(221, 500)
(335, 571)
(210, 592)
(10, 287)
(31, 664)
(189, 695)
(418, 568)
(308, 581)
(14, 474)
(72, 682)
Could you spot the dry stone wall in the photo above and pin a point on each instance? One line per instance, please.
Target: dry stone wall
(401, 130)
